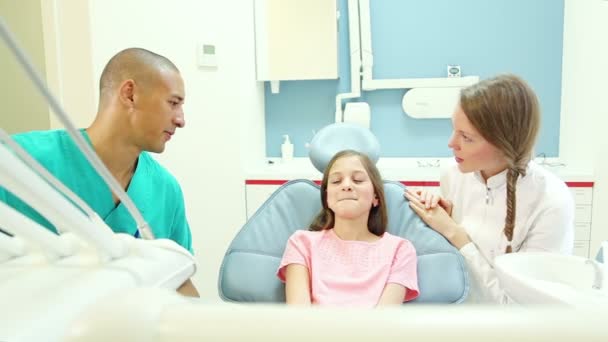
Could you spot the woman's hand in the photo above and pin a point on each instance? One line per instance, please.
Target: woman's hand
(438, 218)
(431, 200)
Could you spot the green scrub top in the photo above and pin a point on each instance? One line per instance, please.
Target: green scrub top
(153, 189)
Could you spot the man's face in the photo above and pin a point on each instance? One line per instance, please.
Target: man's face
(158, 111)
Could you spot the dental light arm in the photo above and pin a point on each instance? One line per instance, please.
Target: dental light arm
(10, 246)
(44, 173)
(144, 230)
(29, 187)
(19, 225)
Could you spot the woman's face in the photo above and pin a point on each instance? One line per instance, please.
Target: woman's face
(471, 151)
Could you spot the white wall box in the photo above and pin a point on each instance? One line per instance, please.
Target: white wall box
(296, 39)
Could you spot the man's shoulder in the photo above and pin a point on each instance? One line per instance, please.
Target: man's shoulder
(46, 146)
(34, 141)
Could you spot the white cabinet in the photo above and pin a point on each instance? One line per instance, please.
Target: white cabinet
(583, 202)
(256, 195)
(581, 248)
(582, 230)
(582, 195)
(296, 39)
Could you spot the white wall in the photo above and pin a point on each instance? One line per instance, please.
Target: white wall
(224, 108)
(583, 142)
(55, 35)
(600, 91)
(69, 67)
(579, 81)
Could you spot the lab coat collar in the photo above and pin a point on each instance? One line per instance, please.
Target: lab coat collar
(493, 182)
(497, 180)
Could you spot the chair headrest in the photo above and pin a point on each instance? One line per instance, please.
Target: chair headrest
(342, 136)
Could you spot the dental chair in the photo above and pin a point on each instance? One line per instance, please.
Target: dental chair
(248, 270)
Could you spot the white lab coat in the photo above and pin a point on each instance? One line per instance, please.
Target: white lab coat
(544, 221)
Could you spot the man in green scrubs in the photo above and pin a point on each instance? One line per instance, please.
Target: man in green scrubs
(140, 108)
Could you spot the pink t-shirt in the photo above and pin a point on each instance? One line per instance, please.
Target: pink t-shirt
(351, 273)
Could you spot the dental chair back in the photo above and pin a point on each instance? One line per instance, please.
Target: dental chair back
(248, 271)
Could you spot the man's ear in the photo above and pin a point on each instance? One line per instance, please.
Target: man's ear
(127, 93)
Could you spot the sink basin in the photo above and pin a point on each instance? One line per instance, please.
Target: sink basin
(547, 278)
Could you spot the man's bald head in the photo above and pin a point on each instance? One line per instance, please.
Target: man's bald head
(137, 64)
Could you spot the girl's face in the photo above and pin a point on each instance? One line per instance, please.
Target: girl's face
(350, 192)
(471, 150)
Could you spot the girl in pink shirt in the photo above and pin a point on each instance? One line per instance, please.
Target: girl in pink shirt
(347, 258)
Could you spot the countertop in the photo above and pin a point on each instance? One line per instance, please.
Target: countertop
(398, 169)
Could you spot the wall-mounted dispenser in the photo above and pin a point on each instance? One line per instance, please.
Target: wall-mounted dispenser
(431, 103)
(358, 113)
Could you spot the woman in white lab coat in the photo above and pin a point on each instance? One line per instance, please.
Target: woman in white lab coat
(496, 200)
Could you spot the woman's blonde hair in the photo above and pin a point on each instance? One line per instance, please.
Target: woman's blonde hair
(505, 111)
(377, 220)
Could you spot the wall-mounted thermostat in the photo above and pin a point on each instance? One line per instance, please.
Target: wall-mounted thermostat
(205, 55)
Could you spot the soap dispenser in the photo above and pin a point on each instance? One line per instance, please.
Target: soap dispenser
(286, 149)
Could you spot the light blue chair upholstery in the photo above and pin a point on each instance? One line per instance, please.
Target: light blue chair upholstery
(248, 272)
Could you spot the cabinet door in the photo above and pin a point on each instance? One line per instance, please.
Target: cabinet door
(296, 39)
(582, 231)
(582, 213)
(256, 195)
(583, 201)
(582, 195)
(581, 248)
